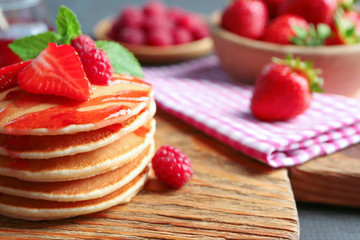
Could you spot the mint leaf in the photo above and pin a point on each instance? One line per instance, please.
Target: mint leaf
(30, 47)
(68, 25)
(121, 59)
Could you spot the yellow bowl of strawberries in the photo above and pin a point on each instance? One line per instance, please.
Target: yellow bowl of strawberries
(330, 39)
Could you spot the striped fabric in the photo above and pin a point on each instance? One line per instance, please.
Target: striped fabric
(201, 94)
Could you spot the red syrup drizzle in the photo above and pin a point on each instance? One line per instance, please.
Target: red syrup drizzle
(142, 131)
(66, 113)
(133, 79)
(13, 144)
(115, 127)
(21, 164)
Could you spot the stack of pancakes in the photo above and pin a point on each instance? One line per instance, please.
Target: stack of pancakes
(61, 158)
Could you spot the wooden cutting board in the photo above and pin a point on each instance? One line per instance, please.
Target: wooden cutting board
(230, 196)
(333, 179)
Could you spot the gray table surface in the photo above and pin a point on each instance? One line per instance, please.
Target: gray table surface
(316, 221)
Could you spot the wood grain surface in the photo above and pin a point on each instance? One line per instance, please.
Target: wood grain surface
(229, 197)
(333, 179)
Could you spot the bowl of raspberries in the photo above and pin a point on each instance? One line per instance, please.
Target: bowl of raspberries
(157, 33)
(247, 34)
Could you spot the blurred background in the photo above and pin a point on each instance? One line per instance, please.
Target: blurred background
(92, 11)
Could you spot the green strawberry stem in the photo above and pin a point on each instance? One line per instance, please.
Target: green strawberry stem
(305, 67)
(314, 36)
(346, 28)
(347, 4)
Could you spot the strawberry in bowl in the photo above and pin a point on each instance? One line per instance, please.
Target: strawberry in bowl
(324, 31)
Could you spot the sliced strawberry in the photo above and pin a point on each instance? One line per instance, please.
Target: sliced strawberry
(8, 74)
(58, 71)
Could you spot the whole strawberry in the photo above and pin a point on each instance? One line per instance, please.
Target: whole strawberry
(283, 89)
(346, 29)
(293, 29)
(247, 18)
(284, 28)
(273, 7)
(314, 11)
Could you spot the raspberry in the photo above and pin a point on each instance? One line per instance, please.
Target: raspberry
(131, 16)
(181, 35)
(200, 31)
(83, 43)
(155, 23)
(189, 21)
(160, 37)
(134, 36)
(116, 27)
(154, 8)
(174, 14)
(97, 66)
(172, 167)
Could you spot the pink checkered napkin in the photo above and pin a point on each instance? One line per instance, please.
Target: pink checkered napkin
(201, 94)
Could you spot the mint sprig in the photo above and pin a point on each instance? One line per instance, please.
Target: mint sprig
(121, 59)
(68, 25)
(68, 28)
(30, 47)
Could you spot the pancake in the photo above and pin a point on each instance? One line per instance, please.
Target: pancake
(23, 113)
(82, 165)
(42, 147)
(34, 209)
(79, 190)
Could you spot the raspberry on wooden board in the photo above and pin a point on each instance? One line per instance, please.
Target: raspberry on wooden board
(171, 166)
